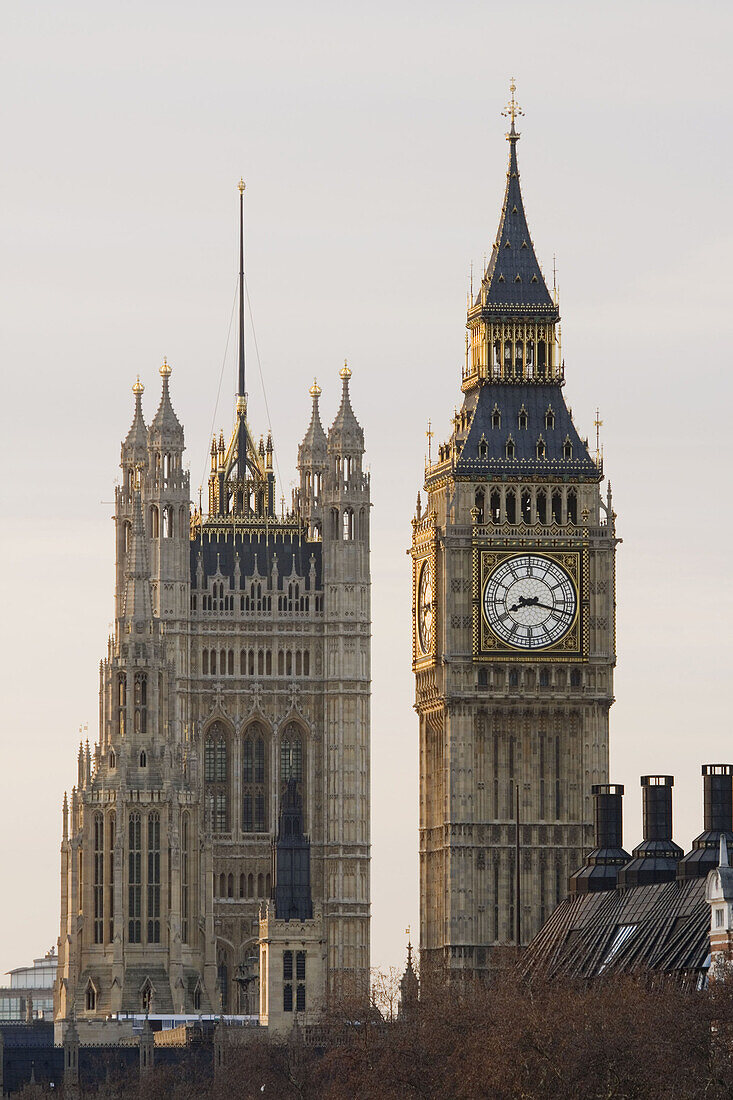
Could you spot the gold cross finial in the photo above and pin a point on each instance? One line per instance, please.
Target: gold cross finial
(241, 186)
(430, 433)
(512, 109)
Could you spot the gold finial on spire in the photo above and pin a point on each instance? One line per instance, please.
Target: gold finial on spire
(598, 424)
(345, 373)
(241, 185)
(138, 389)
(430, 433)
(165, 370)
(315, 390)
(512, 109)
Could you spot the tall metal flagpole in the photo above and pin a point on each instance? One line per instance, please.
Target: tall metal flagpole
(241, 497)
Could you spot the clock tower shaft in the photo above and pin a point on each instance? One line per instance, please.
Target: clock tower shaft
(514, 679)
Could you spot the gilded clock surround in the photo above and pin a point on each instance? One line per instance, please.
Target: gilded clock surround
(487, 645)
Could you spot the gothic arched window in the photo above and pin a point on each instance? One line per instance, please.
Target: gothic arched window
(216, 776)
(292, 758)
(185, 874)
(134, 879)
(98, 879)
(254, 780)
(153, 878)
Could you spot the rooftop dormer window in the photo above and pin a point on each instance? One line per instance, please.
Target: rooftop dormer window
(567, 448)
(483, 449)
(496, 417)
(510, 447)
(549, 418)
(541, 449)
(523, 418)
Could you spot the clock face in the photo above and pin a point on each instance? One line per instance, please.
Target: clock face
(425, 607)
(529, 601)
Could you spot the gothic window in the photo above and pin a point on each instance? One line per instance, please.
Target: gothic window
(287, 998)
(541, 449)
(541, 506)
(300, 966)
(230, 885)
(478, 503)
(260, 886)
(224, 984)
(557, 507)
(146, 997)
(127, 532)
(254, 780)
(495, 505)
(121, 701)
(334, 523)
(348, 524)
(216, 776)
(572, 507)
(205, 662)
(112, 759)
(167, 522)
(483, 449)
(154, 522)
(260, 662)
(298, 662)
(541, 358)
(510, 447)
(549, 418)
(268, 662)
(242, 885)
(111, 823)
(287, 966)
(134, 879)
(483, 678)
(289, 663)
(544, 678)
(526, 506)
(230, 662)
(523, 419)
(98, 828)
(511, 506)
(306, 663)
(300, 999)
(575, 678)
(154, 878)
(91, 998)
(143, 759)
(250, 885)
(141, 702)
(496, 418)
(197, 999)
(185, 875)
(567, 448)
(530, 353)
(513, 678)
(280, 663)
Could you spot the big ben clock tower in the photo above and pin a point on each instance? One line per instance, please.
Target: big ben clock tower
(513, 623)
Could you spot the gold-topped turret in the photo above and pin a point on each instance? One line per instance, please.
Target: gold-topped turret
(345, 372)
(512, 110)
(165, 370)
(315, 390)
(138, 389)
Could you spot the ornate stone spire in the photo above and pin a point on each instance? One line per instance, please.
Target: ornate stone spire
(346, 432)
(314, 442)
(134, 449)
(137, 605)
(165, 422)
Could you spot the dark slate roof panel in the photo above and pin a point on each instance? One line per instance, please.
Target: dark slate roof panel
(513, 279)
(510, 401)
(218, 553)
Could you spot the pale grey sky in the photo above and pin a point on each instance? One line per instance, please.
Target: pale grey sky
(372, 143)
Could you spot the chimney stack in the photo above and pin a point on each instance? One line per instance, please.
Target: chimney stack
(717, 821)
(602, 865)
(656, 858)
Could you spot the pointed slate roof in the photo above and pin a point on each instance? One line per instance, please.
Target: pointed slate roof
(513, 281)
(134, 449)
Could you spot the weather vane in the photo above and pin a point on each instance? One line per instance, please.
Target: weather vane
(512, 109)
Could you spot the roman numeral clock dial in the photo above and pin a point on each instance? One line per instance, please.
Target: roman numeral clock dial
(529, 601)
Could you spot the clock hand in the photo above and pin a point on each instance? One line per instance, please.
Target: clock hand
(534, 601)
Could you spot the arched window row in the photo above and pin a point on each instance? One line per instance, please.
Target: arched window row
(255, 662)
(255, 783)
(349, 525)
(167, 521)
(528, 505)
(243, 886)
(529, 678)
(313, 485)
(167, 470)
